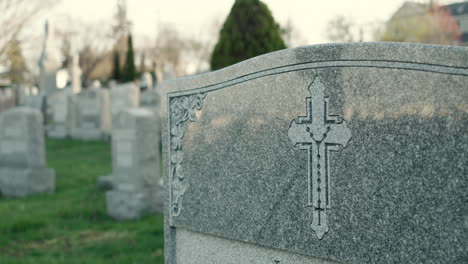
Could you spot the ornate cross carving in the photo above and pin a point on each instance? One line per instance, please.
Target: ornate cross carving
(319, 133)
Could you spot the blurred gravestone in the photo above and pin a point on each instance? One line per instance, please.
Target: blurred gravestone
(124, 96)
(135, 166)
(7, 99)
(75, 75)
(57, 125)
(49, 62)
(150, 99)
(91, 114)
(352, 153)
(37, 101)
(22, 154)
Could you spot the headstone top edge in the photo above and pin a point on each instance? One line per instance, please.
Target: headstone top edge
(446, 56)
(24, 110)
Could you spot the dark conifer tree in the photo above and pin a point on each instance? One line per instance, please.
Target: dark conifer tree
(249, 30)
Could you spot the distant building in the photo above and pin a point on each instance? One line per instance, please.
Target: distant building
(459, 11)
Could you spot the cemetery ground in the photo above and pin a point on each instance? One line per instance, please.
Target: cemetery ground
(71, 225)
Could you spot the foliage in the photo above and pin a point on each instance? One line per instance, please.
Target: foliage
(16, 63)
(71, 225)
(15, 15)
(129, 72)
(94, 45)
(422, 23)
(249, 30)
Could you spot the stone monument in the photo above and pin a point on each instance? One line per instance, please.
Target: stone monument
(124, 96)
(23, 168)
(345, 153)
(58, 114)
(76, 74)
(91, 114)
(49, 62)
(135, 166)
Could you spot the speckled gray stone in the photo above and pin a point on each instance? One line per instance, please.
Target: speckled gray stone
(195, 248)
(372, 170)
(22, 154)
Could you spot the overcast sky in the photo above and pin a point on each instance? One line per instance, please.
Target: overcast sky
(192, 17)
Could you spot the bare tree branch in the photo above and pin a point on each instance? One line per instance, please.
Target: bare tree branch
(15, 14)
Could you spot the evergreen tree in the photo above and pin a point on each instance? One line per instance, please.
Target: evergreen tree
(116, 74)
(129, 74)
(249, 30)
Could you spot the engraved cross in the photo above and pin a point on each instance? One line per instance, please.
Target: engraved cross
(319, 133)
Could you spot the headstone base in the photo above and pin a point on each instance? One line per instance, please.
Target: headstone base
(57, 132)
(15, 182)
(87, 134)
(126, 203)
(105, 183)
(198, 248)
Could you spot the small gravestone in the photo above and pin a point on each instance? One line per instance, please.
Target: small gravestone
(352, 153)
(37, 101)
(8, 98)
(57, 121)
(150, 100)
(124, 96)
(135, 166)
(23, 168)
(91, 114)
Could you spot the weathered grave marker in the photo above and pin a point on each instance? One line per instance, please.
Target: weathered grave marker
(123, 97)
(135, 165)
(22, 155)
(91, 114)
(58, 120)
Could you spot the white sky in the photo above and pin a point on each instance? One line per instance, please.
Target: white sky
(191, 17)
(196, 17)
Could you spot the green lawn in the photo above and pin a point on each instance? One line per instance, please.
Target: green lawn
(71, 225)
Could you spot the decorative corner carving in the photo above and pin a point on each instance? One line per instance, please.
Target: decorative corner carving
(181, 109)
(319, 133)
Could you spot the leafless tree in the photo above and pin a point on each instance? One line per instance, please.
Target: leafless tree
(180, 53)
(15, 14)
(93, 42)
(340, 29)
(291, 35)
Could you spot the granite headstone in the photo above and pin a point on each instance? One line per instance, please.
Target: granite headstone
(49, 61)
(23, 168)
(352, 153)
(124, 96)
(91, 114)
(135, 166)
(58, 117)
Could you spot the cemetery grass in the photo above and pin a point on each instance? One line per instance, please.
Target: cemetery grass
(71, 225)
